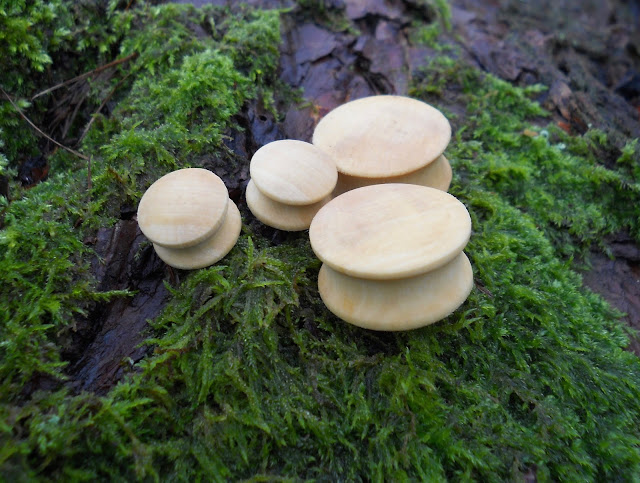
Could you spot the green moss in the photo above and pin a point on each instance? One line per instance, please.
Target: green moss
(43, 283)
(38, 39)
(430, 34)
(250, 376)
(555, 178)
(160, 130)
(167, 121)
(4, 162)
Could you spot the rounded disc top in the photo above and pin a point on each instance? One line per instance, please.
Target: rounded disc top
(382, 136)
(390, 231)
(183, 208)
(293, 172)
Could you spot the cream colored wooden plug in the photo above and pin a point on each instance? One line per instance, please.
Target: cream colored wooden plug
(386, 139)
(437, 174)
(188, 216)
(402, 304)
(392, 255)
(389, 231)
(290, 181)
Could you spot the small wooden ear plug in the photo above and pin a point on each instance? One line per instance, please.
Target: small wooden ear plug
(188, 216)
(290, 181)
(386, 139)
(393, 255)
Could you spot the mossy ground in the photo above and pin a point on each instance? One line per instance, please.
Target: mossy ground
(250, 376)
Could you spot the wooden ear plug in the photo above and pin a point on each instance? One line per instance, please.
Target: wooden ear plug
(392, 255)
(188, 216)
(386, 139)
(290, 181)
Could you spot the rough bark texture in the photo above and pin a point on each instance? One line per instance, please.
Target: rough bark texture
(112, 335)
(588, 54)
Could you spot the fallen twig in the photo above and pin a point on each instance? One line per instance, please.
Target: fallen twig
(104, 103)
(89, 184)
(86, 74)
(19, 111)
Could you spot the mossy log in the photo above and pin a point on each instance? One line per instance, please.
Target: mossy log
(113, 366)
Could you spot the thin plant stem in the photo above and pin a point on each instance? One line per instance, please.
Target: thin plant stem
(86, 74)
(19, 111)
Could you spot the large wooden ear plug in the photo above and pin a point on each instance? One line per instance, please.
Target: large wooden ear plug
(290, 181)
(188, 216)
(386, 139)
(393, 255)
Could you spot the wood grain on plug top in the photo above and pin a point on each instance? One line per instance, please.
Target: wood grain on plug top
(390, 231)
(293, 172)
(403, 304)
(383, 136)
(183, 208)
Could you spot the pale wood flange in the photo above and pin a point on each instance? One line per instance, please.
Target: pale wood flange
(434, 175)
(278, 215)
(390, 231)
(383, 136)
(209, 251)
(183, 208)
(293, 172)
(403, 304)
